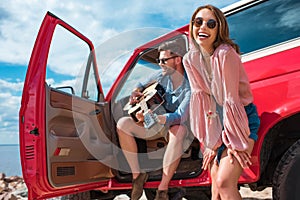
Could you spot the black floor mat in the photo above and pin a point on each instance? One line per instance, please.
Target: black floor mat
(188, 168)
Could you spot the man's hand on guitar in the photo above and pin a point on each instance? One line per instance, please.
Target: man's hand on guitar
(134, 98)
(140, 101)
(140, 116)
(149, 118)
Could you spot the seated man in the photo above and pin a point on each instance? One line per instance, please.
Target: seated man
(173, 79)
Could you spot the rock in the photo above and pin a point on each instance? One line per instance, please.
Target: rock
(2, 176)
(12, 188)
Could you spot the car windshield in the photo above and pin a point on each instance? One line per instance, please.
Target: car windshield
(113, 54)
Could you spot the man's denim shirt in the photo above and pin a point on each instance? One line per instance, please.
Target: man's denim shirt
(176, 101)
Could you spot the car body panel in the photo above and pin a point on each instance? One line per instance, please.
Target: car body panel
(274, 82)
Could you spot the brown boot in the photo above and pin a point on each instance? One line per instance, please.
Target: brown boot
(138, 186)
(162, 195)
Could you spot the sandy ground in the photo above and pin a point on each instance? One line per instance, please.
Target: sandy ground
(246, 193)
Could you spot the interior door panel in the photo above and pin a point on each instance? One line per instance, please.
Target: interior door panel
(76, 142)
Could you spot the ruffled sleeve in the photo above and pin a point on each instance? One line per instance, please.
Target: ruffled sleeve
(207, 131)
(236, 130)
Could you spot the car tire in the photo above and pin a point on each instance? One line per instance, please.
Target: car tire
(286, 176)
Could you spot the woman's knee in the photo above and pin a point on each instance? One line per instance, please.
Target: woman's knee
(226, 179)
(221, 182)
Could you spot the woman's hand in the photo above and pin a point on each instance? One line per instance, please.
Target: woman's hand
(208, 156)
(243, 157)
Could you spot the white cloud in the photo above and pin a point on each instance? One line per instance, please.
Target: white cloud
(63, 83)
(10, 86)
(289, 18)
(9, 111)
(9, 115)
(98, 20)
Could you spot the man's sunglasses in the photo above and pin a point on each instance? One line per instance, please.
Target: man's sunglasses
(197, 22)
(164, 60)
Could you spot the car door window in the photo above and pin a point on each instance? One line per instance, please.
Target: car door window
(139, 72)
(113, 53)
(266, 24)
(69, 64)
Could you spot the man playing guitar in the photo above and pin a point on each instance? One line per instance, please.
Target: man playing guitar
(168, 122)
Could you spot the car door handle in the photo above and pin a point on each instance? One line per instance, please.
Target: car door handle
(95, 112)
(104, 103)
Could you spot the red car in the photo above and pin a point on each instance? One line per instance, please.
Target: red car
(72, 100)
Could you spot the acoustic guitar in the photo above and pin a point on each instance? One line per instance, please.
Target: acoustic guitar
(152, 99)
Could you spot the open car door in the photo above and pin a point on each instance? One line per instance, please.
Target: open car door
(65, 139)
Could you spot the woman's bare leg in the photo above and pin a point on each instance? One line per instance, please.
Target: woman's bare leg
(213, 173)
(227, 177)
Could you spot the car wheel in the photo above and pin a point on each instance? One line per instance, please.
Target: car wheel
(287, 177)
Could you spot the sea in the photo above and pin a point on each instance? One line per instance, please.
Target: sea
(10, 163)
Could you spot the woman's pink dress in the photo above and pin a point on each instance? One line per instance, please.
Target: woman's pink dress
(229, 85)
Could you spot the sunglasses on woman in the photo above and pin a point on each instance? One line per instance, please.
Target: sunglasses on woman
(211, 23)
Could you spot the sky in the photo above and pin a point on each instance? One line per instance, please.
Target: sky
(20, 21)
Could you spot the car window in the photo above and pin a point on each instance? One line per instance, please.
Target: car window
(140, 71)
(113, 53)
(69, 64)
(144, 68)
(137, 76)
(90, 89)
(266, 24)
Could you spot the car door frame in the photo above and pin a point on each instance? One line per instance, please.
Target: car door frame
(32, 115)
